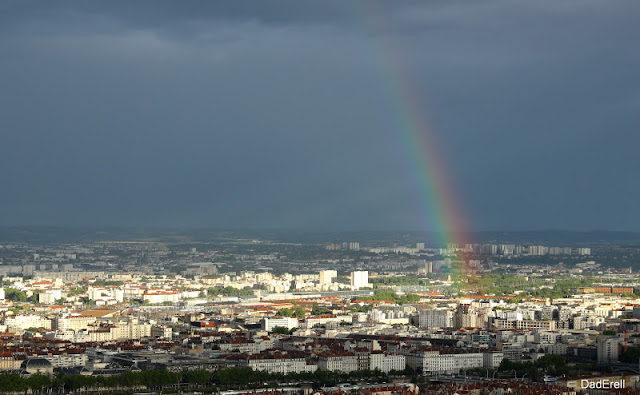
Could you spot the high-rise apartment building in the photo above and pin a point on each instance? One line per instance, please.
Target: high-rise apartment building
(359, 279)
(328, 276)
(607, 349)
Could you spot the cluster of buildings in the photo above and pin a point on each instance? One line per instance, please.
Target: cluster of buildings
(120, 311)
(435, 335)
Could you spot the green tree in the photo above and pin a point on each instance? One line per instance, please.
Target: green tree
(631, 355)
(200, 377)
(298, 313)
(280, 329)
(317, 310)
(285, 312)
(15, 295)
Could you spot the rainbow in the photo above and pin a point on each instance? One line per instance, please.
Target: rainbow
(436, 198)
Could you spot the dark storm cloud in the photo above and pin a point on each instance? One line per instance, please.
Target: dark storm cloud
(282, 113)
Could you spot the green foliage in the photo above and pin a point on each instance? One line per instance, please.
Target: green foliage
(631, 355)
(399, 280)
(37, 382)
(391, 296)
(554, 365)
(317, 310)
(159, 379)
(609, 332)
(295, 312)
(77, 291)
(229, 291)
(15, 295)
(12, 382)
(501, 285)
(319, 378)
(104, 283)
(283, 330)
(360, 309)
(200, 377)
(34, 329)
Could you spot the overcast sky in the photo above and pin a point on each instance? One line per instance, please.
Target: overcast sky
(283, 114)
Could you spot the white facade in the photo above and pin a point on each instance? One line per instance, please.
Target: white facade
(23, 322)
(328, 276)
(386, 362)
(608, 349)
(72, 322)
(287, 322)
(50, 296)
(347, 362)
(359, 279)
(436, 318)
(67, 360)
(161, 296)
(434, 362)
(279, 365)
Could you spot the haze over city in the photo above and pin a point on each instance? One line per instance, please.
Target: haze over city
(290, 114)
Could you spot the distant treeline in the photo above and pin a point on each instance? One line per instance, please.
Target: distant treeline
(46, 234)
(159, 379)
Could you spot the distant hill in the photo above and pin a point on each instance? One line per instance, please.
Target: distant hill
(43, 234)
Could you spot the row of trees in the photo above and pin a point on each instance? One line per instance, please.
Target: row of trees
(399, 280)
(503, 284)
(158, 379)
(296, 312)
(149, 379)
(229, 291)
(319, 378)
(554, 365)
(391, 296)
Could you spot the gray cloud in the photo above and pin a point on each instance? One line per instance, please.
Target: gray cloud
(286, 113)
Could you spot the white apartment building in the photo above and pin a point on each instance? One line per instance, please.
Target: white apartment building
(435, 318)
(287, 322)
(50, 296)
(122, 330)
(328, 276)
(277, 364)
(435, 362)
(66, 360)
(72, 322)
(607, 349)
(343, 362)
(161, 296)
(132, 329)
(359, 279)
(22, 322)
(386, 362)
